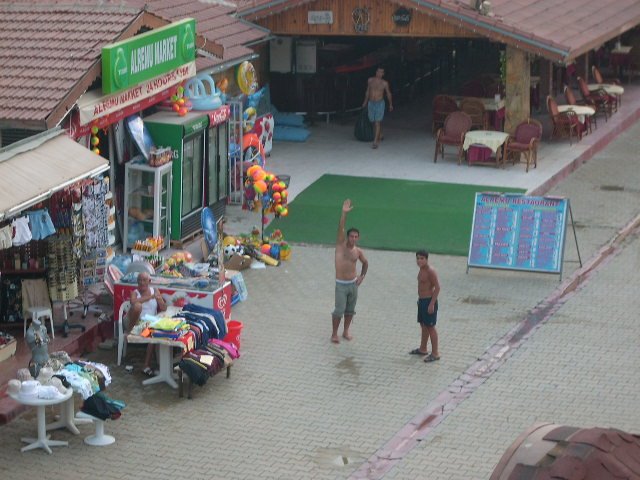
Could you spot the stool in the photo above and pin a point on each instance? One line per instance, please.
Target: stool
(99, 439)
(37, 312)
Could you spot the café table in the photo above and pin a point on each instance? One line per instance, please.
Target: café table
(583, 112)
(610, 88)
(479, 143)
(42, 441)
(494, 105)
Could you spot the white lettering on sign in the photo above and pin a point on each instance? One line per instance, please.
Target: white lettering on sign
(157, 53)
(320, 17)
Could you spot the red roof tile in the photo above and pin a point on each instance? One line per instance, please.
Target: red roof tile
(216, 22)
(46, 49)
(559, 30)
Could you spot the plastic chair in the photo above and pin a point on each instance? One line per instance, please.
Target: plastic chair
(524, 142)
(38, 312)
(456, 125)
(122, 344)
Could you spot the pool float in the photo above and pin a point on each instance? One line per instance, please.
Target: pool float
(196, 91)
(247, 78)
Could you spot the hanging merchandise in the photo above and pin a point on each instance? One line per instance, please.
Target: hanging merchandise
(41, 224)
(95, 214)
(62, 272)
(22, 233)
(95, 141)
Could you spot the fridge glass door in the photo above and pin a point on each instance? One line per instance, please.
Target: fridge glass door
(213, 166)
(223, 172)
(192, 181)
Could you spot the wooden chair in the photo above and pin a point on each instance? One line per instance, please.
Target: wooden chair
(565, 123)
(598, 99)
(597, 76)
(443, 105)
(475, 109)
(571, 100)
(456, 125)
(524, 142)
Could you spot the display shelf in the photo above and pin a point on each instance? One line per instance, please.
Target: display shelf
(147, 188)
(28, 271)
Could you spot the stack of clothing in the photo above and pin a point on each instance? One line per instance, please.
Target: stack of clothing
(203, 363)
(205, 323)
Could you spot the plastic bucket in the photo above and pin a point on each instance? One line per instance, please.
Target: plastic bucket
(234, 329)
(284, 178)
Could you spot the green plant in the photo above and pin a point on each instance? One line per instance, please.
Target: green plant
(503, 67)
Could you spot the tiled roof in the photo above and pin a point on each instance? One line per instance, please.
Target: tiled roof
(554, 29)
(215, 21)
(44, 52)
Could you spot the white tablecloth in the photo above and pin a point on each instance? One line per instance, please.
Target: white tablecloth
(580, 110)
(607, 87)
(489, 138)
(490, 104)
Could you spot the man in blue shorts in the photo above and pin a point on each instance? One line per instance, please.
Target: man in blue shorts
(428, 291)
(374, 101)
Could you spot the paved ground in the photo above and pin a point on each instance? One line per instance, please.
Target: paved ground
(297, 407)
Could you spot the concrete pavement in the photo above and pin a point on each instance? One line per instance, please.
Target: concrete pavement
(298, 407)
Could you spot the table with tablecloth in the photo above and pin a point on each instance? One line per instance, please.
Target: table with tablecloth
(485, 146)
(494, 107)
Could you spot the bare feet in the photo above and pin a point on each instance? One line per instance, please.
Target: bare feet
(375, 145)
(335, 339)
(347, 336)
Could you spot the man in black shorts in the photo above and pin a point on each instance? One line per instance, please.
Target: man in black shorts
(428, 291)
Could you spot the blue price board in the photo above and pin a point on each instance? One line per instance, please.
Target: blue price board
(518, 232)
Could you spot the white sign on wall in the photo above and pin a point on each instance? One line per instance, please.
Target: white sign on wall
(320, 17)
(305, 57)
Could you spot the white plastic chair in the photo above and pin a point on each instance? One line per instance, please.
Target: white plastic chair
(122, 344)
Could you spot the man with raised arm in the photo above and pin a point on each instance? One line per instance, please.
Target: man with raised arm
(347, 279)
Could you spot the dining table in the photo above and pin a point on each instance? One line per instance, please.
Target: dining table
(494, 105)
(485, 147)
(584, 113)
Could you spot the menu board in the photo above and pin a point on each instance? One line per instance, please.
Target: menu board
(518, 232)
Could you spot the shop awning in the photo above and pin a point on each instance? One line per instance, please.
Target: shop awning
(32, 170)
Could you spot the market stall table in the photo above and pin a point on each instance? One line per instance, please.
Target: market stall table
(479, 144)
(165, 358)
(67, 418)
(43, 439)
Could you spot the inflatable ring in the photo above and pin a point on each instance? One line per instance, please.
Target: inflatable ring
(247, 78)
(249, 119)
(252, 151)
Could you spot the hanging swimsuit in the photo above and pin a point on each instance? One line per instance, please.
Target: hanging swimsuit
(41, 224)
(22, 232)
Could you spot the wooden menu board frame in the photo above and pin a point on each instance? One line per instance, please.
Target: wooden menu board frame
(519, 232)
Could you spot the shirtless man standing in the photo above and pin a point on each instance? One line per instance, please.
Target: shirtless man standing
(428, 291)
(347, 280)
(374, 99)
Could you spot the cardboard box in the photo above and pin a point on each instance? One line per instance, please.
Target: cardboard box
(237, 262)
(8, 350)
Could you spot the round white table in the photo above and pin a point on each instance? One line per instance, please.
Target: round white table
(487, 138)
(43, 439)
(607, 87)
(581, 111)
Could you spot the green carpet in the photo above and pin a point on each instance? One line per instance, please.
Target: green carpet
(403, 215)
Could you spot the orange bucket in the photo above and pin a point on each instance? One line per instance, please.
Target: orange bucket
(234, 329)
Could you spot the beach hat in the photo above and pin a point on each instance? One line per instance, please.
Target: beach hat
(13, 387)
(29, 389)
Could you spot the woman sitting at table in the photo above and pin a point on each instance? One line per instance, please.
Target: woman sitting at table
(145, 300)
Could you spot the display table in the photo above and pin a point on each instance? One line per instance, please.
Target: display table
(488, 139)
(165, 358)
(67, 418)
(178, 292)
(43, 439)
